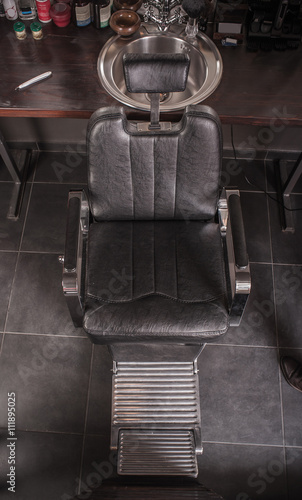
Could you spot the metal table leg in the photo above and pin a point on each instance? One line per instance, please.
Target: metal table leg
(285, 185)
(19, 177)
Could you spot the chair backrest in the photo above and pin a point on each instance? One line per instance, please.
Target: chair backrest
(142, 174)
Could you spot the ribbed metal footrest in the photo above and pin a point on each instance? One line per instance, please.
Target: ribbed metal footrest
(156, 418)
(165, 393)
(157, 453)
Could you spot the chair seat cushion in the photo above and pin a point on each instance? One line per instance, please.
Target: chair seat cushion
(162, 280)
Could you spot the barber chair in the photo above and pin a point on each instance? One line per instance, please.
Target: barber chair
(155, 265)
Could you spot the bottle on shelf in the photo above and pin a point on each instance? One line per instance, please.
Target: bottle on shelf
(105, 13)
(95, 7)
(2, 9)
(43, 8)
(81, 12)
(26, 9)
(101, 13)
(10, 9)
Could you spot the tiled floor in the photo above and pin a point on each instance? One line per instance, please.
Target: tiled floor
(251, 419)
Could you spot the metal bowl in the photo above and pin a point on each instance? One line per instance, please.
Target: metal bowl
(204, 75)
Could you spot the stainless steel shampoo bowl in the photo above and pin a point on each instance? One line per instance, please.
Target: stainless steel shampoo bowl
(204, 75)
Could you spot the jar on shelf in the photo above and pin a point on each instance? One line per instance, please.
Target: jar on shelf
(36, 30)
(19, 29)
(60, 14)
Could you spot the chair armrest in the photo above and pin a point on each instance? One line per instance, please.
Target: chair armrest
(236, 257)
(75, 254)
(237, 228)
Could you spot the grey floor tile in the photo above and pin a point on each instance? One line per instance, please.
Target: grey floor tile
(294, 467)
(286, 246)
(11, 230)
(47, 466)
(255, 217)
(7, 271)
(288, 290)
(243, 174)
(257, 326)
(240, 395)
(99, 408)
(239, 472)
(38, 304)
(46, 221)
(292, 405)
(50, 379)
(66, 167)
(99, 462)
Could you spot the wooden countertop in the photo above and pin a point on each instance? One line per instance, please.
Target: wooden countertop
(262, 88)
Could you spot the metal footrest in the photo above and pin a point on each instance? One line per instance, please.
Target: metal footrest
(156, 418)
(157, 453)
(145, 393)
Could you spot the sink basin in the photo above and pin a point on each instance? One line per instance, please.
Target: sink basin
(204, 75)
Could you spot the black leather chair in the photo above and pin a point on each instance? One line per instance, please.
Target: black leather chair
(166, 271)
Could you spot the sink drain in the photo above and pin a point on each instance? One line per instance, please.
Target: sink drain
(163, 97)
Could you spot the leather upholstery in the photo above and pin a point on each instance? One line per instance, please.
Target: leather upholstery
(155, 259)
(154, 319)
(139, 176)
(169, 273)
(156, 72)
(176, 259)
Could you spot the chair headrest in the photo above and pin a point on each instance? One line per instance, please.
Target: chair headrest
(156, 73)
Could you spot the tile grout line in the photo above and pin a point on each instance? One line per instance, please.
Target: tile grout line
(20, 243)
(231, 443)
(37, 431)
(51, 335)
(255, 346)
(2, 342)
(86, 419)
(277, 335)
(249, 346)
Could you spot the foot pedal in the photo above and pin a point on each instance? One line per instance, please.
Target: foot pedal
(157, 453)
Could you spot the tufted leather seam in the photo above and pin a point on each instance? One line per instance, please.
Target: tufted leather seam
(153, 146)
(154, 294)
(176, 261)
(154, 261)
(176, 171)
(132, 260)
(131, 175)
(175, 197)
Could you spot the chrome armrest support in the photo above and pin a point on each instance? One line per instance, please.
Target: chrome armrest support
(236, 258)
(74, 262)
